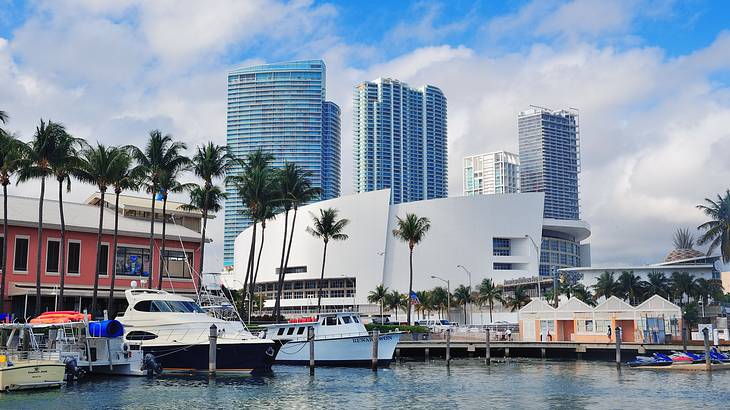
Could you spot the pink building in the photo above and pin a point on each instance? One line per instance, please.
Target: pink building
(132, 259)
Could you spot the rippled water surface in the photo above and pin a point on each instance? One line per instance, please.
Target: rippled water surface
(467, 384)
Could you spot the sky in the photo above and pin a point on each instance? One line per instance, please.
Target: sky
(650, 78)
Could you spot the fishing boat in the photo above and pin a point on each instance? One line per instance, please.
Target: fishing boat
(24, 370)
(340, 339)
(176, 330)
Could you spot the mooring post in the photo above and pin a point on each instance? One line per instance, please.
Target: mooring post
(488, 352)
(618, 347)
(374, 359)
(310, 337)
(684, 336)
(213, 341)
(708, 359)
(448, 347)
(426, 354)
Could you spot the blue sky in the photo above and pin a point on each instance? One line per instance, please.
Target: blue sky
(651, 79)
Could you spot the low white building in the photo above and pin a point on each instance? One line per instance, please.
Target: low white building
(491, 236)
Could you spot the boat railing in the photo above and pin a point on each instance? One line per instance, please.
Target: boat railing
(194, 336)
(15, 355)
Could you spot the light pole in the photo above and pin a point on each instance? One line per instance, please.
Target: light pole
(537, 251)
(468, 273)
(448, 298)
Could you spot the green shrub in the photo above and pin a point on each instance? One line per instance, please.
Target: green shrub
(390, 328)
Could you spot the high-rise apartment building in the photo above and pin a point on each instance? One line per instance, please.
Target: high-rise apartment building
(281, 109)
(492, 173)
(400, 140)
(550, 159)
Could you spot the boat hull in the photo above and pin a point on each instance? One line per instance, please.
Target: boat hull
(32, 375)
(230, 357)
(343, 351)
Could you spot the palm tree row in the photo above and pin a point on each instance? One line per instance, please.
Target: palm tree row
(55, 153)
(679, 287)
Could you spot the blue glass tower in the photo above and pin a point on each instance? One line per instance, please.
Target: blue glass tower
(281, 108)
(400, 140)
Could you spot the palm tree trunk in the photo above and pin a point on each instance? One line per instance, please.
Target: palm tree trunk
(249, 263)
(490, 313)
(281, 264)
(202, 241)
(110, 304)
(39, 248)
(62, 268)
(163, 265)
(410, 284)
(5, 245)
(98, 253)
(258, 262)
(277, 310)
(321, 279)
(150, 277)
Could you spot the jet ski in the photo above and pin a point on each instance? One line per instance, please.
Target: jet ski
(657, 359)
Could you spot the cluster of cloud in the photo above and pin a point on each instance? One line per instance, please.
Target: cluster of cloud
(654, 132)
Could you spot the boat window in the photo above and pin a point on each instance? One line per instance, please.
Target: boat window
(143, 306)
(300, 330)
(330, 321)
(290, 331)
(140, 335)
(346, 319)
(355, 319)
(280, 332)
(160, 306)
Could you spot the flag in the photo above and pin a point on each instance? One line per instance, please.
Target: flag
(414, 298)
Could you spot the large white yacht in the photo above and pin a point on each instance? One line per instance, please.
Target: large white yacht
(176, 331)
(340, 339)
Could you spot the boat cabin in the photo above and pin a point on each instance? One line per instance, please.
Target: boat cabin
(325, 325)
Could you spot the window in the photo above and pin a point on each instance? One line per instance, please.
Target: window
(300, 330)
(502, 266)
(330, 321)
(290, 331)
(103, 267)
(140, 335)
(74, 257)
(178, 263)
(280, 332)
(132, 261)
(293, 269)
(501, 247)
(20, 260)
(337, 293)
(355, 319)
(143, 306)
(585, 326)
(53, 252)
(346, 319)
(602, 326)
(311, 284)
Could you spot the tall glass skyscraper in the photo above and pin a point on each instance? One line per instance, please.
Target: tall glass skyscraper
(549, 159)
(281, 109)
(400, 140)
(492, 173)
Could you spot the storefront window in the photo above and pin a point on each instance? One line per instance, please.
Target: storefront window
(177, 264)
(131, 261)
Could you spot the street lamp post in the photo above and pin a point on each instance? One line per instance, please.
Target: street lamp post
(468, 273)
(448, 298)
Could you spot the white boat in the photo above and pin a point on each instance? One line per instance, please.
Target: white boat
(176, 331)
(340, 339)
(19, 371)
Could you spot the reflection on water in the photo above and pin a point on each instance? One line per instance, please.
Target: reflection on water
(467, 383)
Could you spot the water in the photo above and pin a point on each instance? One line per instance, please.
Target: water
(519, 383)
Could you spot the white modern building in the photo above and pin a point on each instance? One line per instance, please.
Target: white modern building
(491, 236)
(492, 173)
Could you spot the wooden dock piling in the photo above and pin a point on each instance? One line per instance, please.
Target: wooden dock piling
(488, 349)
(617, 334)
(448, 347)
(310, 337)
(374, 363)
(708, 359)
(213, 342)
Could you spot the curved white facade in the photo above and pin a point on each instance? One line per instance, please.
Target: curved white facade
(462, 232)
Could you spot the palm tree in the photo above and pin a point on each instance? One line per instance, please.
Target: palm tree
(168, 183)
(606, 286)
(37, 164)
(326, 227)
(657, 284)
(3, 117)
(440, 299)
(518, 299)
(582, 293)
(630, 286)
(489, 293)
(123, 178)
(393, 301)
(424, 302)
(99, 167)
(717, 229)
(378, 296)
(161, 154)
(210, 162)
(462, 295)
(705, 289)
(411, 229)
(295, 189)
(205, 200)
(12, 152)
(64, 164)
(681, 284)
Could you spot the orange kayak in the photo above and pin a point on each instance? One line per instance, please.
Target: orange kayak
(64, 316)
